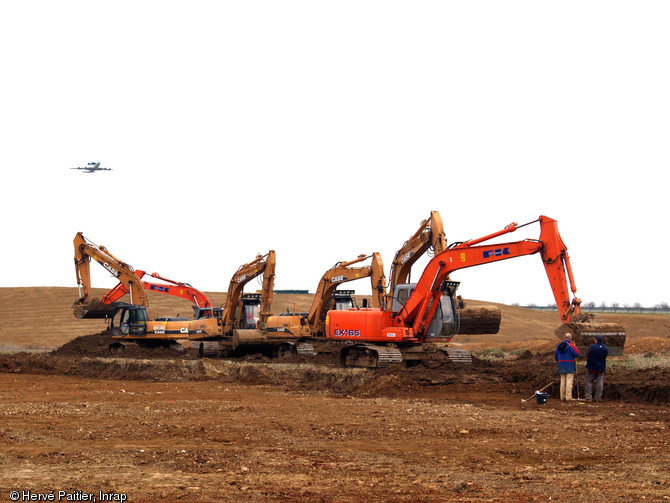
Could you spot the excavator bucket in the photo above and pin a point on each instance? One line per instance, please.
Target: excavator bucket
(93, 309)
(613, 334)
(479, 320)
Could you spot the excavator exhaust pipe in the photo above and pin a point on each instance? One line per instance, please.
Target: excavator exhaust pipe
(93, 310)
(583, 334)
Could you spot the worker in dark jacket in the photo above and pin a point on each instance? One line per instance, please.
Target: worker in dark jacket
(565, 355)
(595, 366)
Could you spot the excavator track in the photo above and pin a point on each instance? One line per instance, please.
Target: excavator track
(207, 349)
(613, 334)
(369, 356)
(457, 355)
(290, 348)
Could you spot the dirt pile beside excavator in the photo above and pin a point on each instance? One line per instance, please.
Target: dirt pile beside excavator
(98, 345)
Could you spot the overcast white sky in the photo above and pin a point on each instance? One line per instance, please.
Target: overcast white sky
(323, 130)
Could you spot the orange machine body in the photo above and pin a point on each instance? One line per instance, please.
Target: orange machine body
(370, 325)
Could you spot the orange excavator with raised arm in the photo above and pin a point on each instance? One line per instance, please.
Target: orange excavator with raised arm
(130, 321)
(213, 336)
(169, 287)
(379, 337)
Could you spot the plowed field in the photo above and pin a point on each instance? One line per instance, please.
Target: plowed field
(169, 426)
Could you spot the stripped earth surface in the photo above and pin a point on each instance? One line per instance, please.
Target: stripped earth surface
(166, 425)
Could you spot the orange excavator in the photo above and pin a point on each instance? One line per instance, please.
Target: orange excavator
(380, 337)
(215, 335)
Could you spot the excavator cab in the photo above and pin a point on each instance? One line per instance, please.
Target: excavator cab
(129, 320)
(207, 312)
(251, 310)
(444, 324)
(343, 300)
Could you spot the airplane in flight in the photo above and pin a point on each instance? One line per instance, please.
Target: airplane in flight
(92, 167)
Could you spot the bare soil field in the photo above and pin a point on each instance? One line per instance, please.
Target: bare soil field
(169, 426)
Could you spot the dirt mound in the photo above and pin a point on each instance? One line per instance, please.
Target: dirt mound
(89, 356)
(97, 345)
(104, 368)
(521, 376)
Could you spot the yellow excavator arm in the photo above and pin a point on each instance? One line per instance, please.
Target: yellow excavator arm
(242, 276)
(84, 251)
(429, 235)
(268, 287)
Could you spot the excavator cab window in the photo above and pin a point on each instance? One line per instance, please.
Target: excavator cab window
(342, 300)
(402, 293)
(444, 321)
(130, 320)
(251, 315)
(344, 303)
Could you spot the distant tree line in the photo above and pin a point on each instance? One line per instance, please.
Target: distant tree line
(636, 307)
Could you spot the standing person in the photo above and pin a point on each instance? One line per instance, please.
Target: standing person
(595, 366)
(565, 355)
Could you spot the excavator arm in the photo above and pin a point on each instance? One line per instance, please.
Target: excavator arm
(420, 307)
(86, 307)
(268, 287)
(421, 304)
(242, 276)
(429, 235)
(174, 288)
(377, 280)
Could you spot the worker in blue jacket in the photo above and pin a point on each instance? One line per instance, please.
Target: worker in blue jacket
(596, 357)
(565, 355)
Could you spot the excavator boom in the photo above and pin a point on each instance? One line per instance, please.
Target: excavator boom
(174, 288)
(268, 287)
(242, 276)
